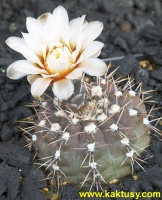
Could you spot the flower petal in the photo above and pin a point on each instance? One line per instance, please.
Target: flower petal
(32, 78)
(91, 32)
(56, 75)
(93, 66)
(96, 54)
(19, 45)
(63, 89)
(57, 26)
(75, 74)
(43, 18)
(60, 13)
(38, 28)
(61, 18)
(76, 26)
(39, 86)
(14, 74)
(91, 50)
(34, 26)
(76, 53)
(23, 66)
(33, 44)
(58, 66)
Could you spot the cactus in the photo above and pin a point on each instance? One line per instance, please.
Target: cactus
(95, 136)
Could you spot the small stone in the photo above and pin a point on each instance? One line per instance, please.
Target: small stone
(121, 42)
(141, 4)
(6, 132)
(13, 27)
(10, 87)
(2, 80)
(3, 117)
(127, 65)
(157, 74)
(142, 76)
(154, 54)
(126, 26)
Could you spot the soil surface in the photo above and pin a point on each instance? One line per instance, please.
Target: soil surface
(130, 27)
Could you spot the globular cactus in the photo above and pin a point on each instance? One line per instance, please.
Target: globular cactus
(95, 136)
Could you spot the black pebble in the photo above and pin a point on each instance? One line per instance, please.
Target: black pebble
(9, 87)
(10, 182)
(126, 66)
(154, 54)
(21, 93)
(69, 192)
(4, 106)
(157, 74)
(29, 191)
(36, 175)
(14, 154)
(142, 76)
(6, 132)
(3, 117)
(2, 80)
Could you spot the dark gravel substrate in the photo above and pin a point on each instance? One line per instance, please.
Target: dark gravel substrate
(130, 27)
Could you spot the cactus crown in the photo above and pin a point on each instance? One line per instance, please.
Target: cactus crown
(95, 136)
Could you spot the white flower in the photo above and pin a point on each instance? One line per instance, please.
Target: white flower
(57, 51)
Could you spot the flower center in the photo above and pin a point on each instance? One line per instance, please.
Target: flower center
(59, 61)
(61, 52)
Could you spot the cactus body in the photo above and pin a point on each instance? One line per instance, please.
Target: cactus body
(95, 142)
